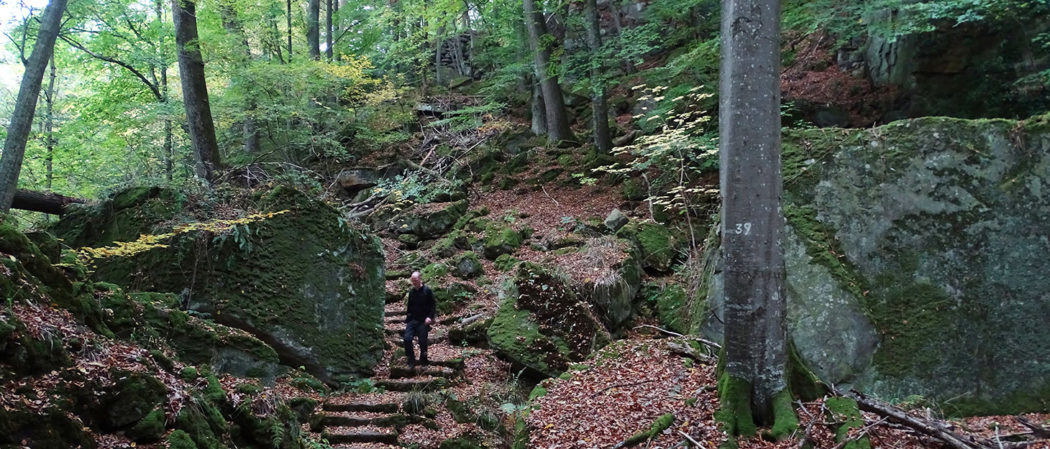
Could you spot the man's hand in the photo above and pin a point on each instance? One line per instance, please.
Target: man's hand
(428, 321)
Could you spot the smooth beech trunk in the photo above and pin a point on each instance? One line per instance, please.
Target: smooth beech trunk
(751, 184)
(195, 90)
(313, 29)
(25, 103)
(599, 106)
(553, 101)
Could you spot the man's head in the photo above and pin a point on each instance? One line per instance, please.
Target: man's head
(416, 279)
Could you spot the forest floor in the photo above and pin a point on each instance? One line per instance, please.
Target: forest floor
(626, 386)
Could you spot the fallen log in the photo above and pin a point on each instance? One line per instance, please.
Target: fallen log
(46, 202)
(930, 427)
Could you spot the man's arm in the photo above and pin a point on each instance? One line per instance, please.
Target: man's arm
(431, 305)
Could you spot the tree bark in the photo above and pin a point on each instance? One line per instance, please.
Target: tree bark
(313, 25)
(328, 29)
(539, 113)
(25, 103)
(49, 127)
(553, 102)
(195, 90)
(599, 106)
(167, 151)
(46, 202)
(289, 5)
(751, 185)
(233, 26)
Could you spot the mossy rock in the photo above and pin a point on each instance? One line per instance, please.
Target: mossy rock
(131, 399)
(541, 324)
(670, 302)
(179, 439)
(49, 429)
(203, 423)
(500, 239)
(302, 280)
(505, 262)
(149, 429)
(452, 296)
(901, 241)
(612, 288)
(460, 443)
(428, 221)
(846, 411)
(467, 266)
(656, 243)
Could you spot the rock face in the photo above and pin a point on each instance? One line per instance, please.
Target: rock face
(916, 260)
(542, 325)
(301, 281)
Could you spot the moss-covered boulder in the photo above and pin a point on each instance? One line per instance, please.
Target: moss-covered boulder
(541, 323)
(467, 266)
(911, 258)
(499, 239)
(611, 278)
(428, 221)
(296, 276)
(656, 243)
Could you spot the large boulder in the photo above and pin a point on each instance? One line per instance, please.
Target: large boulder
(296, 276)
(914, 257)
(429, 221)
(541, 324)
(609, 278)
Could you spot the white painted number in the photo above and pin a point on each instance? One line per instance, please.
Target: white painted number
(743, 228)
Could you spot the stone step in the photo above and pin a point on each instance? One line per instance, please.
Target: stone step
(413, 384)
(361, 407)
(365, 446)
(433, 370)
(395, 313)
(336, 419)
(343, 436)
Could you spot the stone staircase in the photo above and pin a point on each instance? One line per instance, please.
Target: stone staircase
(374, 420)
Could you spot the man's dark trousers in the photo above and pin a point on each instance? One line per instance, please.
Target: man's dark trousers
(416, 328)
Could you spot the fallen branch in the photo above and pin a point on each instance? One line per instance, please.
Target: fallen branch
(932, 428)
(691, 440)
(1038, 431)
(689, 351)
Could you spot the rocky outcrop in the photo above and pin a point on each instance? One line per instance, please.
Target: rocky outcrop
(915, 255)
(297, 277)
(541, 324)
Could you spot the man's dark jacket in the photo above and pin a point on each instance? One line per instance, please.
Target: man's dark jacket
(421, 304)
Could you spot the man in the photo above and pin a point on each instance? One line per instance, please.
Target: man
(421, 310)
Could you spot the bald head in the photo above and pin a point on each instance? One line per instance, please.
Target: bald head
(416, 279)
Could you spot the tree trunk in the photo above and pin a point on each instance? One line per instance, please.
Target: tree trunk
(553, 102)
(751, 184)
(49, 127)
(46, 202)
(233, 26)
(25, 103)
(167, 152)
(599, 107)
(539, 113)
(289, 30)
(328, 30)
(195, 90)
(439, 46)
(313, 24)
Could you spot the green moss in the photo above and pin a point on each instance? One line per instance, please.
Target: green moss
(670, 301)
(537, 392)
(785, 422)
(654, 241)
(203, 423)
(505, 262)
(500, 239)
(181, 440)
(659, 425)
(846, 411)
(735, 415)
(521, 433)
(150, 428)
(189, 373)
(634, 190)
(434, 271)
(132, 398)
(824, 248)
